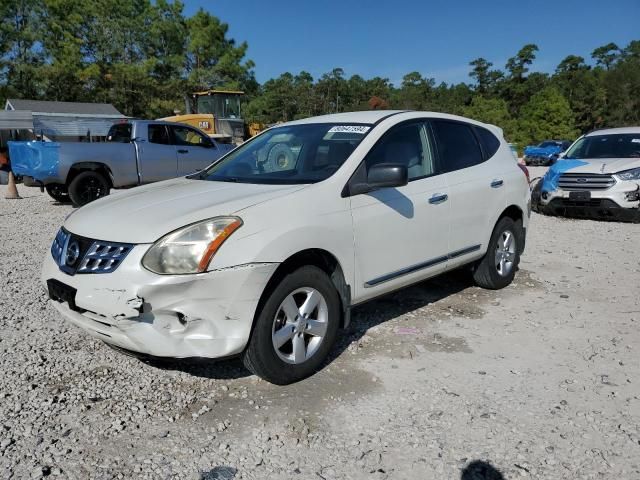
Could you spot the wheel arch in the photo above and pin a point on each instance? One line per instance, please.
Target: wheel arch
(515, 213)
(80, 167)
(317, 257)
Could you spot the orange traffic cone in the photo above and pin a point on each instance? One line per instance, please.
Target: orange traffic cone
(12, 190)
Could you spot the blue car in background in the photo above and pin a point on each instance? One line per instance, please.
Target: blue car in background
(546, 153)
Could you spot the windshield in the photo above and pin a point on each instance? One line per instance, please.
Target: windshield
(548, 144)
(220, 105)
(624, 145)
(293, 154)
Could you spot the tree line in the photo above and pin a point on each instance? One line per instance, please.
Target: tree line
(144, 56)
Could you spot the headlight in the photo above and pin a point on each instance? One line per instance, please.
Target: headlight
(191, 248)
(633, 174)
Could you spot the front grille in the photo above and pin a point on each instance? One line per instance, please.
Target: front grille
(57, 247)
(103, 257)
(76, 254)
(586, 181)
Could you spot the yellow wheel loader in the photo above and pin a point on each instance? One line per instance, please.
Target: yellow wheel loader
(217, 113)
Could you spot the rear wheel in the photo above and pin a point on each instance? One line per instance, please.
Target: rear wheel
(87, 187)
(58, 192)
(296, 327)
(498, 266)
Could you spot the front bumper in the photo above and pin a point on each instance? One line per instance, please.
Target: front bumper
(204, 315)
(609, 204)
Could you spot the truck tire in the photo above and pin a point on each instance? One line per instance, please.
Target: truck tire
(280, 157)
(289, 341)
(58, 192)
(498, 267)
(88, 186)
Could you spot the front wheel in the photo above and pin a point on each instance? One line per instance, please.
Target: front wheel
(87, 187)
(498, 266)
(296, 327)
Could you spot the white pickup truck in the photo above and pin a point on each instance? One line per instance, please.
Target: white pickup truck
(136, 152)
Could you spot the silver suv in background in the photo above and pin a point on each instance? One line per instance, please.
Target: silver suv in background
(597, 177)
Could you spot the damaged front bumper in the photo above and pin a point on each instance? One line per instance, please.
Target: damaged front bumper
(618, 205)
(203, 315)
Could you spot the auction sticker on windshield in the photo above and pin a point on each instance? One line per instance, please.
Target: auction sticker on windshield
(362, 129)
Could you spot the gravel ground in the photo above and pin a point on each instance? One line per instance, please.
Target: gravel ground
(440, 380)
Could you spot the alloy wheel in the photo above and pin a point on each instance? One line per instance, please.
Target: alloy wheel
(300, 325)
(505, 253)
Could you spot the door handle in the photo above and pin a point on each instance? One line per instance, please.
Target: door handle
(497, 183)
(438, 198)
(183, 151)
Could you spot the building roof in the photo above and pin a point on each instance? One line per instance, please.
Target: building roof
(42, 107)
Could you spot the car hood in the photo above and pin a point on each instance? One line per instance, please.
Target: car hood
(607, 165)
(144, 214)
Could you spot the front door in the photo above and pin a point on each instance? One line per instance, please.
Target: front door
(195, 150)
(400, 234)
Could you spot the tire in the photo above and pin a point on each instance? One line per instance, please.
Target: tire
(536, 196)
(279, 365)
(87, 187)
(58, 192)
(280, 157)
(493, 273)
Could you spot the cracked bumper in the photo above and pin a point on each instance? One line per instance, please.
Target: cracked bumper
(204, 315)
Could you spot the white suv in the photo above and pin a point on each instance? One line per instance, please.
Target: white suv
(598, 177)
(265, 252)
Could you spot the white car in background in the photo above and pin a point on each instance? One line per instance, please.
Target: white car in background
(264, 253)
(597, 177)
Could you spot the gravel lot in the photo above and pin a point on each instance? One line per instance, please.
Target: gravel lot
(441, 380)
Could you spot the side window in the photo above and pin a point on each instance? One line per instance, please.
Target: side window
(490, 143)
(406, 144)
(119, 133)
(457, 145)
(188, 136)
(158, 134)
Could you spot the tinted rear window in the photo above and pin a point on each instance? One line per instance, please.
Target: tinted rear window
(457, 145)
(490, 143)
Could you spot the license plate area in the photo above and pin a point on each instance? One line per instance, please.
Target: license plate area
(580, 196)
(61, 292)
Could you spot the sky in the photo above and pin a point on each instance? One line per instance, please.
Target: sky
(436, 38)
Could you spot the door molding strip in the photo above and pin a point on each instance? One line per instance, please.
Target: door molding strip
(420, 266)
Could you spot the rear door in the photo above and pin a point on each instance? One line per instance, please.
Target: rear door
(400, 234)
(195, 150)
(156, 157)
(476, 187)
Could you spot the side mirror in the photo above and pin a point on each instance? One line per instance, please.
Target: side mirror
(382, 175)
(386, 175)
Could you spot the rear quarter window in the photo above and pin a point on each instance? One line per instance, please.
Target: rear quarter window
(490, 143)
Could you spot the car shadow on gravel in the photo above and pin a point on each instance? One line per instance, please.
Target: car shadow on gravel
(363, 318)
(396, 304)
